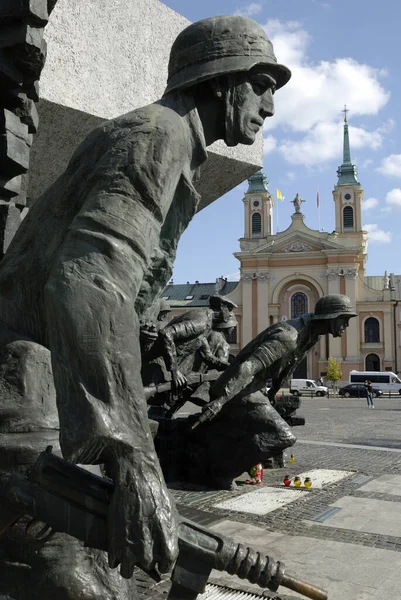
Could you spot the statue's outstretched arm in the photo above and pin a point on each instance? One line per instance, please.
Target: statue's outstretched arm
(247, 374)
(190, 328)
(217, 361)
(94, 342)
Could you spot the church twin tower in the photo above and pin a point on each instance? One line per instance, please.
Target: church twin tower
(284, 273)
(347, 195)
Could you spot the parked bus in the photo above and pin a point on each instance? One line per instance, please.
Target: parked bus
(383, 380)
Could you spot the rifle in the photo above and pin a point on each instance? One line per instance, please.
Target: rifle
(192, 379)
(69, 499)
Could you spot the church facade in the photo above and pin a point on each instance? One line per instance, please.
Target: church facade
(282, 276)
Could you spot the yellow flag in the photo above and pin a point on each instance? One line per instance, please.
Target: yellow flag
(279, 195)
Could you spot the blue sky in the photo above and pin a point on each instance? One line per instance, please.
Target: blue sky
(340, 52)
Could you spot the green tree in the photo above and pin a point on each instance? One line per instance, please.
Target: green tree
(334, 372)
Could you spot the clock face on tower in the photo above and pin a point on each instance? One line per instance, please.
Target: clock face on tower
(256, 202)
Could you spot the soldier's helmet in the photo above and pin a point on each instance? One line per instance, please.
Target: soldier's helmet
(231, 322)
(333, 306)
(217, 302)
(164, 306)
(220, 45)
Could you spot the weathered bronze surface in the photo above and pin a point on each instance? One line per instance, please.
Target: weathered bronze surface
(22, 56)
(239, 426)
(89, 259)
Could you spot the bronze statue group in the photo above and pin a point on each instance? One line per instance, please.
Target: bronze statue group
(78, 342)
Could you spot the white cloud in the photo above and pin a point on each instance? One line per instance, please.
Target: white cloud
(291, 175)
(324, 142)
(365, 163)
(370, 203)
(377, 235)
(269, 144)
(310, 105)
(393, 198)
(391, 165)
(254, 8)
(232, 276)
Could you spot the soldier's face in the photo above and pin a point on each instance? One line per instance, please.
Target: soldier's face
(338, 326)
(162, 315)
(228, 331)
(252, 103)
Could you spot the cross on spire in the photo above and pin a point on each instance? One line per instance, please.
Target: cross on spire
(345, 111)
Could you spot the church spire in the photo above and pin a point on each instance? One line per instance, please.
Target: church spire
(346, 148)
(347, 172)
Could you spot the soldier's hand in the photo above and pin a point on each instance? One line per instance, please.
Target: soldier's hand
(142, 520)
(179, 380)
(209, 412)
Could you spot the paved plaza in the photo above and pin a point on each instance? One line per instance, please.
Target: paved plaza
(344, 533)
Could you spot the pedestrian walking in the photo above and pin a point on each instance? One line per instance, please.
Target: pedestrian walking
(369, 393)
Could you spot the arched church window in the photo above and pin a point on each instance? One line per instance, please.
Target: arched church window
(299, 305)
(348, 217)
(256, 223)
(372, 330)
(372, 362)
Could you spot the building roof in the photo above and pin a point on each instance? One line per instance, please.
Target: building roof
(395, 283)
(196, 294)
(376, 282)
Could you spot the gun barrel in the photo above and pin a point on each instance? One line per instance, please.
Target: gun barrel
(193, 378)
(302, 587)
(57, 489)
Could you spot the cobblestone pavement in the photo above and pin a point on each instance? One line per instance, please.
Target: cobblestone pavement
(349, 420)
(298, 517)
(334, 427)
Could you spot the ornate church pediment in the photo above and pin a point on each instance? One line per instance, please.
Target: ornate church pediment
(296, 245)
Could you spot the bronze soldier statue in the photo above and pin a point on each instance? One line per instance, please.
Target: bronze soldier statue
(240, 425)
(91, 256)
(276, 352)
(188, 344)
(184, 341)
(243, 426)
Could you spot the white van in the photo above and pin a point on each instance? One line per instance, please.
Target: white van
(383, 380)
(307, 386)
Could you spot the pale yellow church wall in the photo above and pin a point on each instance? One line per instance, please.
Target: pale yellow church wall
(297, 284)
(352, 338)
(236, 295)
(286, 277)
(246, 217)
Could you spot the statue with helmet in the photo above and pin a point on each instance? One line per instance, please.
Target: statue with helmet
(196, 343)
(242, 425)
(190, 343)
(92, 255)
(274, 354)
(239, 426)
